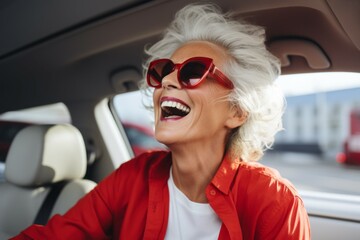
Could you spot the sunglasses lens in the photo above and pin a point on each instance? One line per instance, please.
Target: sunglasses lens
(158, 71)
(192, 73)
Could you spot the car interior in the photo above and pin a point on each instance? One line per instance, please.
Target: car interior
(42, 158)
(81, 54)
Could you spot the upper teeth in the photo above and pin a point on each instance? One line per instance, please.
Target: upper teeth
(175, 105)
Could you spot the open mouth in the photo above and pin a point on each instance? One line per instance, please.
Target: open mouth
(173, 109)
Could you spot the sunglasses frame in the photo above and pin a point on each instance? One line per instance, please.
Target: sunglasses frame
(211, 69)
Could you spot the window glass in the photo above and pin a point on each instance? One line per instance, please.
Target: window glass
(318, 149)
(12, 122)
(137, 121)
(313, 150)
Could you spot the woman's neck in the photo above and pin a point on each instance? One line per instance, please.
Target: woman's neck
(193, 169)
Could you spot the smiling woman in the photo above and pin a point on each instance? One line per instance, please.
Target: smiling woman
(85, 55)
(217, 110)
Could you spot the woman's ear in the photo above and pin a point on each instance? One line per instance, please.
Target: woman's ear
(237, 117)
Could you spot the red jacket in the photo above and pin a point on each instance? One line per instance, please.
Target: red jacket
(252, 201)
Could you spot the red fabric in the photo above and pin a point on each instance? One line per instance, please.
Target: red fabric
(252, 201)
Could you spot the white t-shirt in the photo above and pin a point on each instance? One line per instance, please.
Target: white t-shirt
(190, 220)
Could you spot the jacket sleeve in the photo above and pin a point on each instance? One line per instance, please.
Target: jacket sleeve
(90, 218)
(288, 220)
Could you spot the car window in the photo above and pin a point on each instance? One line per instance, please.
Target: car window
(12, 122)
(319, 148)
(137, 121)
(320, 121)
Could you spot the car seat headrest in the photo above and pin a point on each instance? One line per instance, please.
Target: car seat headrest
(44, 154)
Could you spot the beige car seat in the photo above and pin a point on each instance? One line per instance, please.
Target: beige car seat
(39, 158)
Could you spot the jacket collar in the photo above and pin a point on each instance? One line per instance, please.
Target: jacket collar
(222, 180)
(226, 174)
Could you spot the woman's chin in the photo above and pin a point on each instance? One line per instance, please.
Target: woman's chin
(165, 140)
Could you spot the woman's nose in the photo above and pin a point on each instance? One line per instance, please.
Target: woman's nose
(171, 81)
